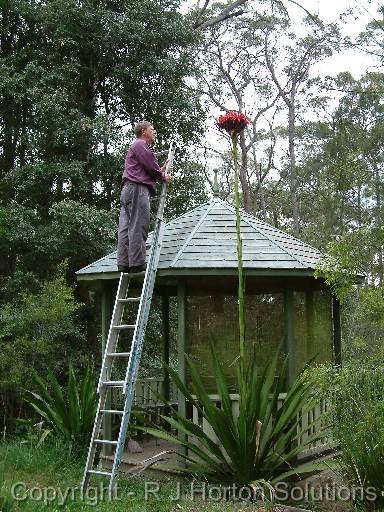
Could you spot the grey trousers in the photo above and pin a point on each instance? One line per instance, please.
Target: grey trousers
(133, 224)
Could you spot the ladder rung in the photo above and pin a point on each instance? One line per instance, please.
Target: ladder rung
(111, 411)
(130, 299)
(118, 354)
(96, 472)
(105, 441)
(117, 383)
(124, 326)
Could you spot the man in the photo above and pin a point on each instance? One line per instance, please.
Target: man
(141, 171)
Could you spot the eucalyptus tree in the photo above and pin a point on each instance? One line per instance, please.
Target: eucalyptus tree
(231, 75)
(353, 161)
(289, 64)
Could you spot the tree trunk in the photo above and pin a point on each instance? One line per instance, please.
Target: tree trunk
(292, 163)
(378, 221)
(359, 210)
(263, 206)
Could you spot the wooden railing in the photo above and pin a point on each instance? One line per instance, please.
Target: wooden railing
(311, 419)
(311, 422)
(148, 390)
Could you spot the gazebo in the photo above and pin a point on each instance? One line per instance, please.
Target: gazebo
(198, 265)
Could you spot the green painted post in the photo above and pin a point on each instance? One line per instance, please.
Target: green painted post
(289, 331)
(181, 346)
(310, 321)
(166, 337)
(106, 315)
(336, 329)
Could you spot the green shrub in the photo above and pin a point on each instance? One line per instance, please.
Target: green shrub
(38, 330)
(260, 443)
(356, 413)
(69, 412)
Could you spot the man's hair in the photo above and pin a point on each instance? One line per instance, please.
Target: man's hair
(140, 127)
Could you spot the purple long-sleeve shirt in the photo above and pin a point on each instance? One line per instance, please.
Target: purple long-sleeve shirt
(141, 166)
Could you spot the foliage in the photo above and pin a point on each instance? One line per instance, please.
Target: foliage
(77, 225)
(38, 331)
(363, 325)
(259, 444)
(356, 405)
(69, 412)
(340, 268)
(187, 189)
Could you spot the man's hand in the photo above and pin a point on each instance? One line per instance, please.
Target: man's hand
(163, 167)
(167, 175)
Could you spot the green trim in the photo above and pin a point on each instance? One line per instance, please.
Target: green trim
(336, 318)
(166, 341)
(310, 320)
(181, 346)
(289, 331)
(204, 272)
(233, 272)
(97, 276)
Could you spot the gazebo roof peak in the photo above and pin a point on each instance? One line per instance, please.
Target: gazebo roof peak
(205, 238)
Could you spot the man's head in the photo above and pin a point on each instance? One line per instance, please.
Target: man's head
(145, 130)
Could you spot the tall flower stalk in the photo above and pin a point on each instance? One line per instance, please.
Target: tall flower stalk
(234, 123)
(239, 245)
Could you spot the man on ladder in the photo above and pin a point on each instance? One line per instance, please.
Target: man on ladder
(141, 171)
(113, 351)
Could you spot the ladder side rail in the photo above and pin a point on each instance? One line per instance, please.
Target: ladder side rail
(152, 266)
(132, 375)
(164, 188)
(95, 433)
(113, 334)
(118, 308)
(133, 371)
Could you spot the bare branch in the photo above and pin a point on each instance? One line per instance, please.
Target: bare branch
(257, 117)
(200, 15)
(230, 80)
(271, 68)
(228, 12)
(312, 16)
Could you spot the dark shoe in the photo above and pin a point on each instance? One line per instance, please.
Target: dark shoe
(136, 270)
(123, 268)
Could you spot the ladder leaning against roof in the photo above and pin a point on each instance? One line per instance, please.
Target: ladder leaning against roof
(111, 353)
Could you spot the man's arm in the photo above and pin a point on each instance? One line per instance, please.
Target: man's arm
(149, 161)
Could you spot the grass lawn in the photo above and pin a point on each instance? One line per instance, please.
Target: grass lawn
(34, 473)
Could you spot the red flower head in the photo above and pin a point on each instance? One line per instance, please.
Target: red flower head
(233, 122)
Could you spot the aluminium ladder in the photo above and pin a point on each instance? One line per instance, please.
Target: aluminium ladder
(111, 352)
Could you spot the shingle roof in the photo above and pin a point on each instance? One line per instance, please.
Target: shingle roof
(205, 238)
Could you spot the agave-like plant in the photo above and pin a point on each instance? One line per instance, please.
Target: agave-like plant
(257, 444)
(69, 412)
